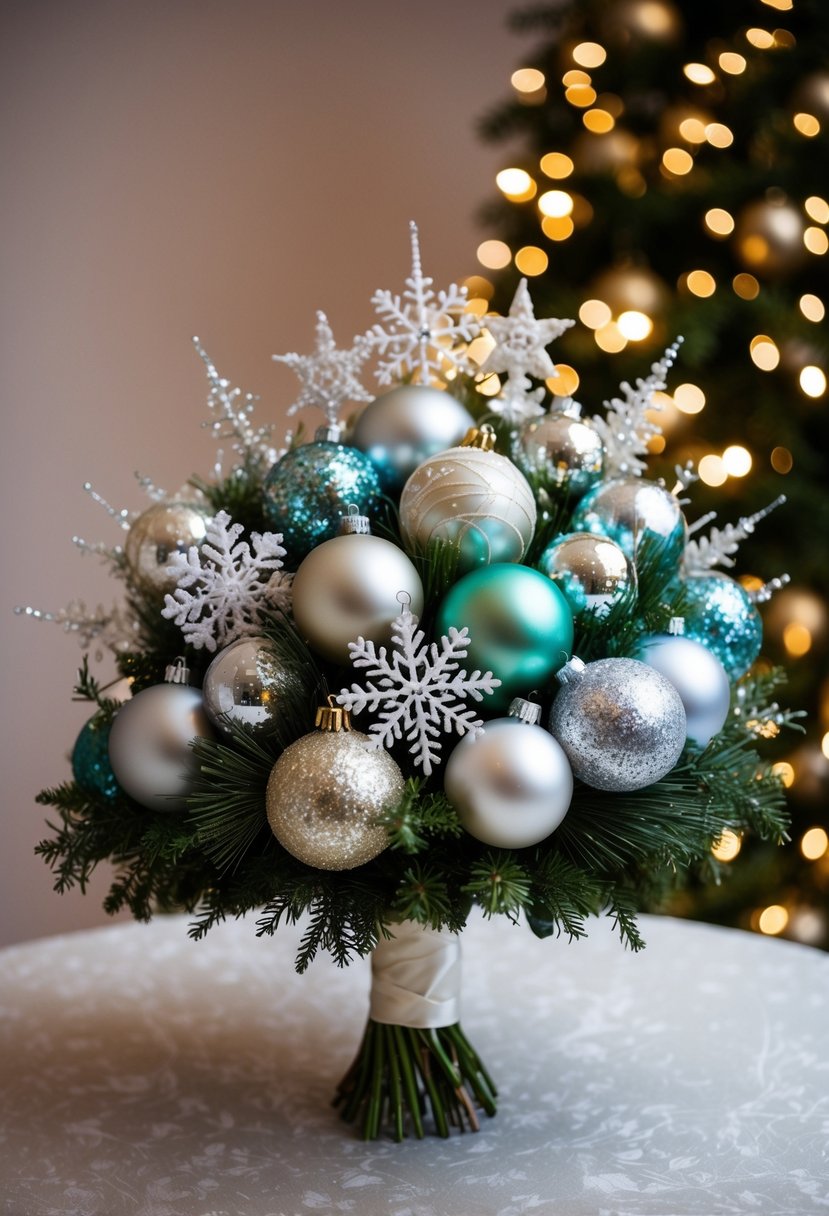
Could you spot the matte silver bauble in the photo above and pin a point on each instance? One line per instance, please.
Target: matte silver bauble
(476, 499)
(245, 685)
(149, 745)
(592, 572)
(348, 587)
(698, 676)
(325, 794)
(163, 529)
(403, 427)
(621, 723)
(511, 786)
(561, 449)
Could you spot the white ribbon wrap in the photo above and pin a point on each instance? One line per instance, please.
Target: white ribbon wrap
(416, 978)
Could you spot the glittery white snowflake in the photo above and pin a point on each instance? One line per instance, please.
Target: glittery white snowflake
(422, 329)
(419, 689)
(224, 591)
(626, 429)
(230, 418)
(518, 401)
(718, 547)
(521, 339)
(330, 376)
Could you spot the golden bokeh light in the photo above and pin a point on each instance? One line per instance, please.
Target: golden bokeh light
(812, 381)
(762, 39)
(528, 80)
(580, 95)
(516, 184)
(712, 471)
(677, 161)
(701, 283)
(782, 6)
(555, 203)
(565, 382)
(806, 124)
(732, 63)
(781, 460)
(785, 771)
(812, 307)
(490, 386)
(692, 130)
(699, 73)
(594, 314)
(719, 222)
(478, 288)
(797, 639)
(481, 347)
(737, 460)
(634, 325)
(814, 843)
(764, 353)
(609, 339)
(598, 121)
(574, 77)
(817, 209)
(773, 920)
(728, 846)
(816, 241)
(689, 398)
(495, 255)
(556, 165)
(557, 228)
(745, 286)
(719, 135)
(531, 260)
(589, 54)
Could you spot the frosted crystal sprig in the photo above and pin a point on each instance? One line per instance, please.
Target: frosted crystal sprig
(719, 546)
(421, 331)
(112, 628)
(230, 419)
(626, 429)
(331, 375)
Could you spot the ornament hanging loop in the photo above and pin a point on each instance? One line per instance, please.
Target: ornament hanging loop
(178, 672)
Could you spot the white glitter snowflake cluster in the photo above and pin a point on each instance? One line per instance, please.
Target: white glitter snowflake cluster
(626, 428)
(719, 546)
(231, 410)
(419, 689)
(520, 351)
(224, 590)
(330, 376)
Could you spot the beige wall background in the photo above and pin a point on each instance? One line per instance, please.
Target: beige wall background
(172, 167)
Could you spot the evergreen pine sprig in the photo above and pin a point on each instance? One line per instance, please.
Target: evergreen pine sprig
(419, 817)
(499, 884)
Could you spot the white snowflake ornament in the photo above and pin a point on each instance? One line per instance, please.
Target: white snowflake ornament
(419, 690)
(224, 590)
(521, 340)
(421, 330)
(330, 376)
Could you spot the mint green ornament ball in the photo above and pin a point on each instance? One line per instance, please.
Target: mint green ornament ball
(520, 627)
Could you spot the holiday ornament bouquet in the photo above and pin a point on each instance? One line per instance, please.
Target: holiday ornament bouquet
(454, 650)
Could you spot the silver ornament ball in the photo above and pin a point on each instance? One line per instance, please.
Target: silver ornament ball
(403, 427)
(149, 745)
(699, 678)
(348, 587)
(324, 796)
(511, 786)
(629, 510)
(476, 499)
(561, 449)
(163, 529)
(621, 723)
(592, 572)
(245, 685)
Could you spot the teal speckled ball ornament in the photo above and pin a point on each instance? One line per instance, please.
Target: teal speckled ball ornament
(520, 627)
(90, 758)
(629, 511)
(308, 491)
(719, 613)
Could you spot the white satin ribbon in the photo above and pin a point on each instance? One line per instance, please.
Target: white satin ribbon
(416, 978)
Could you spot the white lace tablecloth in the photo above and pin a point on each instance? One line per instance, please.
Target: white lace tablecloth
(144, 1074)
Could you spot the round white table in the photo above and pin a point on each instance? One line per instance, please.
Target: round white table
(148, 1075)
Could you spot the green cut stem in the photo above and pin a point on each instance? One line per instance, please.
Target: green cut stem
(402, 1075)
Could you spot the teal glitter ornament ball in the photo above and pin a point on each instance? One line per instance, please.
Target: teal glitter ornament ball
(719, 613)
(520, 627)
(308, 491)
(632, 511)
(90, 758)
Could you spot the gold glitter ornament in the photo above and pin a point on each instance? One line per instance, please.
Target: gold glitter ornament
(326, 792)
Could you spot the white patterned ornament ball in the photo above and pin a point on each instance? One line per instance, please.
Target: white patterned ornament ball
(476, 499)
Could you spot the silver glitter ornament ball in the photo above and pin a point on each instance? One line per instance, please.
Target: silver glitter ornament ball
(511, 786)
(245, 685)
(621, 723)
(561, 449)
(476, 499)
(149, 745)
(348, 587)
(324, 795)
(698, 676)
(591, 571)
(163, 529)
(403, 427)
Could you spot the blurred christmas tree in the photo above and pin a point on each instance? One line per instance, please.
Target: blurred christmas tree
(668, 174)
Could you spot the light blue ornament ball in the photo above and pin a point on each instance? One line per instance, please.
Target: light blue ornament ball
(520, 627)
(631, 512)
(698, 676)
(90, 759)
(719, 613)
(403, 427)
(308, 491)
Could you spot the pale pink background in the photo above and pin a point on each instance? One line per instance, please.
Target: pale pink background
(171, 168)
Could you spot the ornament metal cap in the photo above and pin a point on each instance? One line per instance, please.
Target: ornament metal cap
(178, 672)
(332, 717)
(676, 626)
(526, 711)
(481, 437)
(354, 522)
(569, 407)
(571, 672)
(332, 432)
